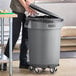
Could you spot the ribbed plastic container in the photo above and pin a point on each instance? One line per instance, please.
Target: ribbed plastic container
(44, 40)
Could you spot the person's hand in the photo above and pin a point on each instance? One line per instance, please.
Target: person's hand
(29, 9)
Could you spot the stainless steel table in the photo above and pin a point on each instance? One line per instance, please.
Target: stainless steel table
(2, 17)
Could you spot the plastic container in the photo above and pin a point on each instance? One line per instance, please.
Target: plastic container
(44, 41)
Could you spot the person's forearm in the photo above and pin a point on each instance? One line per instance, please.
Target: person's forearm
(26, 4)
(23, 3)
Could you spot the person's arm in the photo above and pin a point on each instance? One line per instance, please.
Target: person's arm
(23, 3)
(26, 4)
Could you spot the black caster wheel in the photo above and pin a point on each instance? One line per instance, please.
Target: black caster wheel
(43, 69)
(31, 68)
(38, 70)
(53, 70)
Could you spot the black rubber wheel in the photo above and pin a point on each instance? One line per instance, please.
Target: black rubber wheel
(31, 68)
(43, 69)
(55, 69)
(37, 70)
(52, 70)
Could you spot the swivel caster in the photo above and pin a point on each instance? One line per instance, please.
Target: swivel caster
(38, 70)
(53, 70)
(43, 69)
(31, 68)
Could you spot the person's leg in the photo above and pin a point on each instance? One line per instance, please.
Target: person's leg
(23, 47)
(16, 30)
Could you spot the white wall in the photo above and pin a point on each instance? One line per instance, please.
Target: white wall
(65, 10)
(4, 4)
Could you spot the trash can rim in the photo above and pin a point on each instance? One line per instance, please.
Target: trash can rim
(45, 19)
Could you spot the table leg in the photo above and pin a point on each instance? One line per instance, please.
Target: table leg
(2, 39)
(10, 48)
(2, 36)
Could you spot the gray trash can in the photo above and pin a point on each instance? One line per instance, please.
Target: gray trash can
(44, 41)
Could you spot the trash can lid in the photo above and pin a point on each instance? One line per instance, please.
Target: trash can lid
(39, 9)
